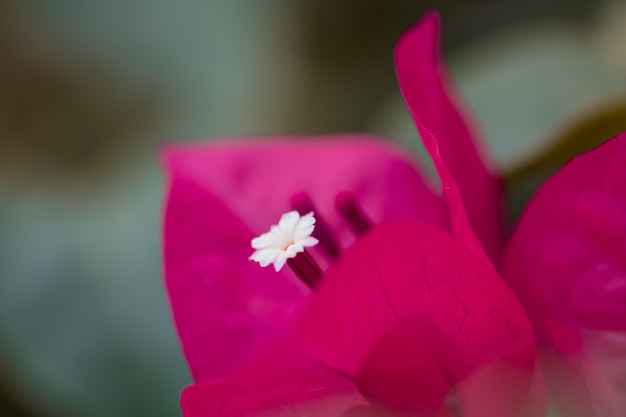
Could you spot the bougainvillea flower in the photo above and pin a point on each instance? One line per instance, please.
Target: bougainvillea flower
(567, 262)
(411, 315)
(226, 307)
(284, 240)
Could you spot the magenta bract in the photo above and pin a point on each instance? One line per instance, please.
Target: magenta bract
(567, 262)
(221, 195)
(412, 318)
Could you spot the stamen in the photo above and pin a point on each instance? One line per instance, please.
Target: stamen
(302, 203)
(286, 243)
(348, 207)
(305, 267)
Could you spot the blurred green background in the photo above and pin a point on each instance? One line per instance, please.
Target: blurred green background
(89, 89)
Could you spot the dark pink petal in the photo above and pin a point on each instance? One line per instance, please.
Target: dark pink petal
(501, 389)
(412, 301)
(467, 183)
(587, 371)
(225, 307)
(567, 262)
(280, 384)
(414, 368)
(223, 194)
(403, 371)
(567, 257)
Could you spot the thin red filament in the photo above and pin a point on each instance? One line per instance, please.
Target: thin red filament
(302, 203)
(305, 267)
(347, 205)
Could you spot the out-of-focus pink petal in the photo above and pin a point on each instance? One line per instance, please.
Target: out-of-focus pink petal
(586, 370)
(468, 186)
(605, 371)
(501, 389)
(404, 271)
(280, 384)
(255, 179)
(223, 194)
(567, 262)
(567, 257)
(561, 349)
(416, 369)
(225, 307)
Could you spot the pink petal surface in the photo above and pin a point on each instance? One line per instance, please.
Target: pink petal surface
(500, 389)
(412, 301)
(416, 360)
(225, 307)
(416, 369)
(281, 383)
(605, 366)
(567, 262)
(586, 371)
(467, 183)
(567, 257)
(560, 348)
(221, 195)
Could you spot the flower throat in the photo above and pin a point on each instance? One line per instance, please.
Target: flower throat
(303, 264)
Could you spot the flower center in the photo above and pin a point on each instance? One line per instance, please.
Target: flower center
(304, 264)
(286, 242)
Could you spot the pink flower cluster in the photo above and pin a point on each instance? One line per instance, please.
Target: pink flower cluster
(430, 312)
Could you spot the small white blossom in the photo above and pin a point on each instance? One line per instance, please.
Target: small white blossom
(284, 240)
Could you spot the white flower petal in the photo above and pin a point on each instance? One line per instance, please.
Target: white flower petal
(304, 232)
(309, 241)
(265, 256)
(306, 220)
(284, 240)
(280, 262)
(262, 241)
(289, 221)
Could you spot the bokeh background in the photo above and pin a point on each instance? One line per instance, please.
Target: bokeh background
(89, 90)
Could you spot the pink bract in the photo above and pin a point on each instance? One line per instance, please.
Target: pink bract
(568, 253)
(413, 314)
(406, 330)
(221, 195)
(567, 262)
(409, 313)
(468, 185)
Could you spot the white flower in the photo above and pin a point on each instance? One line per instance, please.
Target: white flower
(284, 240)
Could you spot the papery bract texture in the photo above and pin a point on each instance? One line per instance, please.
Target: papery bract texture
(468, 184)
(409, 312)
(567, 257)
(414, 334)
(221, 195)
(280, 383)
(567, 261)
